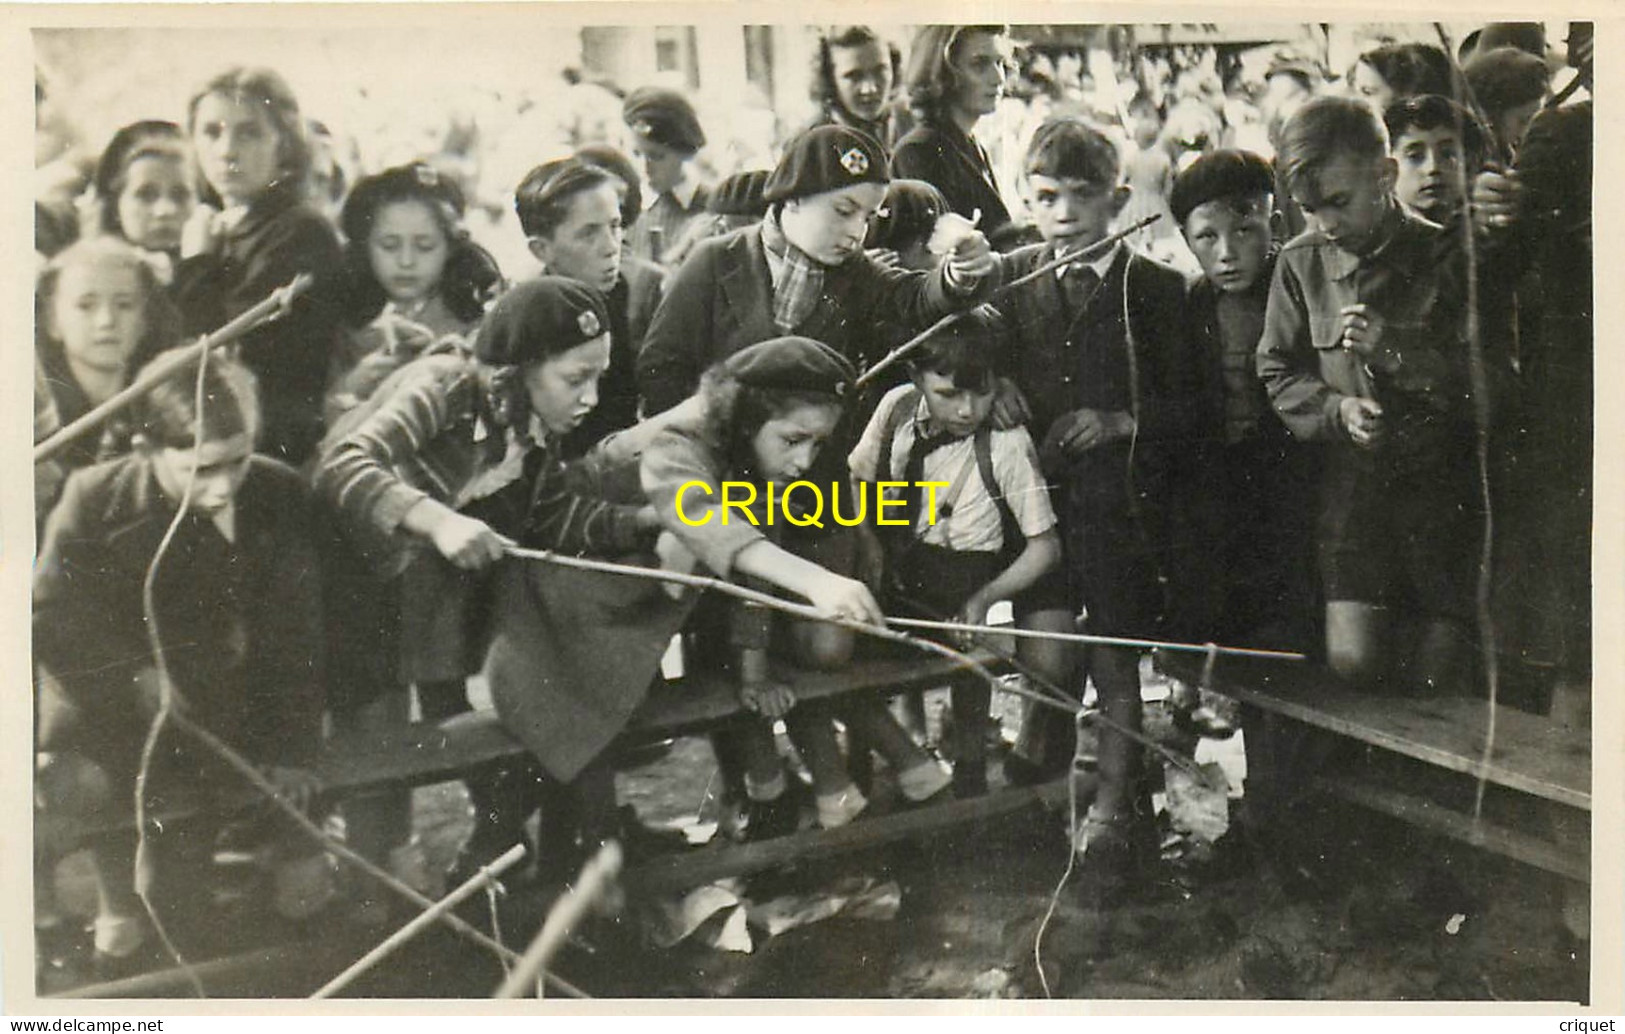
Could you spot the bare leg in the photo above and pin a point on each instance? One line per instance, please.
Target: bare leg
(1116, 673)
(1356, 635)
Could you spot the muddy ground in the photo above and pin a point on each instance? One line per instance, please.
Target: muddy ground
(1361, 908)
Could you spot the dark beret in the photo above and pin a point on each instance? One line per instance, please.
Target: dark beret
(826, 158)
(792, 364)
(1216, 175)
(540, 318)
(739, 194)
(1506, 78)
(413, 180)
(664, 117)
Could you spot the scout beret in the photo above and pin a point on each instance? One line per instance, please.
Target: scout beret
(1506, 78)
(413, 180)
(663, 117)
(792, 364)
(826, 158)
(1218, 175)
(739, 194)
(540, 318)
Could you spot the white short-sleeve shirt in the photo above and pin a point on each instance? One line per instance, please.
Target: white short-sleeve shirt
(967, 517)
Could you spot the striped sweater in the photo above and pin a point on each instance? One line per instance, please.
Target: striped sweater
(430, 435)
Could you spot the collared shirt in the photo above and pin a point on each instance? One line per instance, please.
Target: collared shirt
(1101, 265)
(967, 518)
(683, 193)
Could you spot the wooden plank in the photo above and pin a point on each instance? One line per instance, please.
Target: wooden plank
(692, 868)
(1436, 818)
(1531, 754)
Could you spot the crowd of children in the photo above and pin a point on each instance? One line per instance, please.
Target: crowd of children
(1294, 449)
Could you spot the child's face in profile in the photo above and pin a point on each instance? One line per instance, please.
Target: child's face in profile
(1073, 213)
(237, 147)
(831, 226)
(1231, 239)
(955, 410)
(563, 388)
(1429, 178)
(407, 250)
(99, 314)
(220, 466)
(1347, 198)
(786, 445)
(662, 165)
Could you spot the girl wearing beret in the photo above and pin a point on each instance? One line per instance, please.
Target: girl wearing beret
(760, 417)
(955, 78)
(437, 472)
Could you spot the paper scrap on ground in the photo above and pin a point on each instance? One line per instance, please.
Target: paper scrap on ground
(675, 920)
(1200, 807)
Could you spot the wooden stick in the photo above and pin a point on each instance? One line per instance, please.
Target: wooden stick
(170, 363)
(1096, 640)
(1094, 250)
(422, 921)
(595, 878)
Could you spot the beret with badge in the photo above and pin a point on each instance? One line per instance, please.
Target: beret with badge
(826, 158)
(663, 117)
(792, 364)
(540, 318)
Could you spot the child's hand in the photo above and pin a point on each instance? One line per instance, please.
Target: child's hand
(871, 560)
(885, 258)
(1362, 330)
(297, 786)
(843, 598)
(972, 612)
(1497, 195)
(768, 699)
(468, 543)
(972, 259)
(673, 556)
(1083, 429)
(1362, 418)
(1010, 407)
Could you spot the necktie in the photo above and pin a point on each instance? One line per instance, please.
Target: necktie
(914, 473)
(1078, 285)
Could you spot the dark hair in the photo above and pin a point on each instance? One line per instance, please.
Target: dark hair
(928, 78)
(470, 277)
(543, 198)
(270, 92)
(611, 159)
(1227, 175)
(967, 352)
(1323, 128)
(166, 417)
(1410, 69)
(163, 321)
(735, 412)
(823, 89)
(148, 138)
(908, 215)
(1434, 112)
(1067, 147)
(1504, 78)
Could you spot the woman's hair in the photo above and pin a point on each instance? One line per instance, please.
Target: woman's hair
(611, 159)
(270, 92)
(1410, 69)
(149, 138)
(823, 89)
(929, 77)
(166, 417)
(163, 321)
(735, 412)
(908, 215)
(544, 195)
(470, 278)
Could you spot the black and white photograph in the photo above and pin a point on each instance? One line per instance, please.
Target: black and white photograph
(639, 502)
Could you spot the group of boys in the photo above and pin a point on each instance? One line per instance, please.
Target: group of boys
(1297, 424)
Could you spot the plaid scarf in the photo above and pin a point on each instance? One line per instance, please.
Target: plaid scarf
(801, 280)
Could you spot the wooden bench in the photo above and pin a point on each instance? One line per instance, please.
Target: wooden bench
(1530, 755)
(422, 754)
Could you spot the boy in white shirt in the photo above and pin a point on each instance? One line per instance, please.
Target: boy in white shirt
(985, 533)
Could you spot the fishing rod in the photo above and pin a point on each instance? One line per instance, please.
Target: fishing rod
(167, 364)
(1084, 254)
